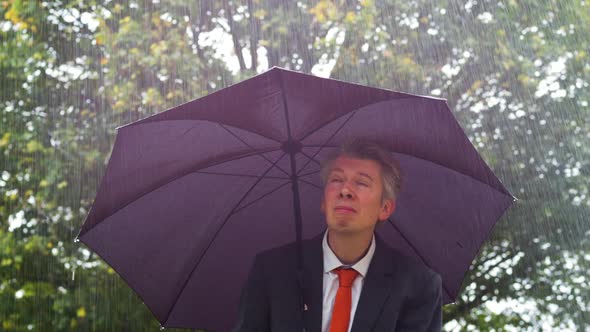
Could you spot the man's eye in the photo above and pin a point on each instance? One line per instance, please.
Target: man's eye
(360, 183)
(335, 180)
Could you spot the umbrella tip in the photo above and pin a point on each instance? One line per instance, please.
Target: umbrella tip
(162, 328)
(76, 240)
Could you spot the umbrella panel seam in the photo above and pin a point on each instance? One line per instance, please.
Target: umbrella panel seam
(168, 181)
(418, 254)
(329, 138)
(259, 198)
(206, 248)
(248, 145)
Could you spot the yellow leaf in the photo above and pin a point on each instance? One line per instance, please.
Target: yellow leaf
(12, 15)
(81, 312)
(34, 146)
(318, 11)
(349, 18)
(476, 85)
(13, 196)
(43, 183)
(5, 140)
(260, 14)
(407, 61)
(119, 104)
(367, 3)
(7, 325)
(156, 21)
(62, 184)
(125, 20)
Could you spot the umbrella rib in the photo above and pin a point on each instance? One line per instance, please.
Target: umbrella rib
(310, 173)
(309, 183)
(217, 232)
(416, 252)
(261, 197)
(328, 140)
(242, 175)
(159, 185)
(310, 159)
(248, 145)
(327, 123)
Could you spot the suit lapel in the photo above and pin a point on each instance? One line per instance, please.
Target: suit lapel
(376, 290)
(313, 262)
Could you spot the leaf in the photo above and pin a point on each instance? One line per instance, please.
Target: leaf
(350, 17)
(260, 14)
(81, 312)
(5, 140)
(34, 146)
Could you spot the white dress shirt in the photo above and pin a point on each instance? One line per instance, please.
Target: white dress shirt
(331, 281)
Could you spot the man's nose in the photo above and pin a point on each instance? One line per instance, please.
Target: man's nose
(345, 192)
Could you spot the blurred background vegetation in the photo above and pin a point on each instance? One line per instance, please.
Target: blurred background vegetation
(516, 74)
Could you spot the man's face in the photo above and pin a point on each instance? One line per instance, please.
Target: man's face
(352, 199)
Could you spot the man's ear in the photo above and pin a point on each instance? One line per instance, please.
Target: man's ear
(387, 208)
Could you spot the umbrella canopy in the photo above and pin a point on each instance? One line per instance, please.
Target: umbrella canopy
(190, 195)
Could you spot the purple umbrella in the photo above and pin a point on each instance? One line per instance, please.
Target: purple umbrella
(190, 195)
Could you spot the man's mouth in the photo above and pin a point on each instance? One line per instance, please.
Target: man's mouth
(344, 209)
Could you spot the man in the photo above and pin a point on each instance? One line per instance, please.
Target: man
(352, 282)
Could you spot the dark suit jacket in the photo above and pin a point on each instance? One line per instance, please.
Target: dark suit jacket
(398, 294)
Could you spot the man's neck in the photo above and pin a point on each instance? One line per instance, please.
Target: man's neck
(349, 248)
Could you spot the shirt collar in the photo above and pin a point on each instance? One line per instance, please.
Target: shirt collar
(331, 261)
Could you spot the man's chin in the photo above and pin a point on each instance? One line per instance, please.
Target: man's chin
(342, 226)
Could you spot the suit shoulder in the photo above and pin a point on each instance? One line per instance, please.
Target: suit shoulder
(279, 251)
(286, 252)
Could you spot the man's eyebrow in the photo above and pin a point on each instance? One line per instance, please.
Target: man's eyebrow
(365, 175)
(340, 170)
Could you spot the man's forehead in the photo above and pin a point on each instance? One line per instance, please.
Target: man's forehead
(364, 167)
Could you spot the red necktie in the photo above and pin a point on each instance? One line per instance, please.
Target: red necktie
(343, 302)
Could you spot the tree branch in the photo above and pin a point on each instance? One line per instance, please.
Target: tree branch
(254, 36)
(234, 36)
